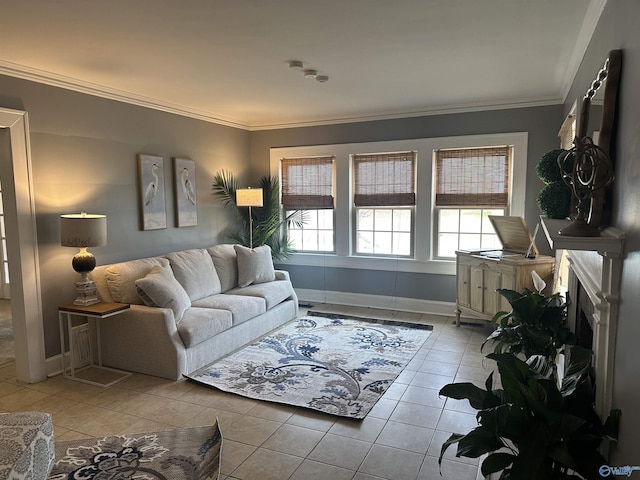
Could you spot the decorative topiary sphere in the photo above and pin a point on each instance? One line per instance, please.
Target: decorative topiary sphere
(554, 200)
(547, 168)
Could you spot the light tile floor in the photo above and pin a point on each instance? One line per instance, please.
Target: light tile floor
(400, 438)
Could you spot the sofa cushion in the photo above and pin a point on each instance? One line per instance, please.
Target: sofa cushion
(226, 262)
(195, 271)
(242, 308)
(200, 324)
(255, 265)
(159, 288)
(121, 278)
(272, 292)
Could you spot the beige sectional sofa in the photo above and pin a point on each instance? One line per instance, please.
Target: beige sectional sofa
(191, 307)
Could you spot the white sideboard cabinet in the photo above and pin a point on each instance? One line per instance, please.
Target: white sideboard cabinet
(480, 274)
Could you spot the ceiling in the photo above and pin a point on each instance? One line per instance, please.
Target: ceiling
(226, 61)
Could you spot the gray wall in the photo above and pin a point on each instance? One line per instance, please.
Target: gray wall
(83, 153)
(618, 29)
(374, 282)
(542, 124)
(84, 158)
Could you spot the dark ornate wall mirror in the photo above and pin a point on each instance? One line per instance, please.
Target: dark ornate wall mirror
(588, 168)
(605, 87)
(612, 66)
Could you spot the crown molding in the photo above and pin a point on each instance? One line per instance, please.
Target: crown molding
(589, 24)
(439, 110)
(68, 83)
(61, 81)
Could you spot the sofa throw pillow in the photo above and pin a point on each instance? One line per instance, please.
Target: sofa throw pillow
(194, 270)
(225, 261)
(254, 265)
(159, 288)
(121, 278)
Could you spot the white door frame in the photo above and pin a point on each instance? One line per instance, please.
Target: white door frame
(22, 246)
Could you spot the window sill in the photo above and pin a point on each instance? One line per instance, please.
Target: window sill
(410, 265)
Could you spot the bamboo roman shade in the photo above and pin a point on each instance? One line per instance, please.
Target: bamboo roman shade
(307, 183)
(476, 177)
(384, 179)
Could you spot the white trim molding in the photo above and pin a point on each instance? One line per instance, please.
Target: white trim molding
(386, 302)
(599, 274)
(22, 246)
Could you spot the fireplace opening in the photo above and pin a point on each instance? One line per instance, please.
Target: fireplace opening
(584, 319)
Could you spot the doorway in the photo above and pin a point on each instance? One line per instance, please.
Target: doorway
(7, 347)
(21, 246)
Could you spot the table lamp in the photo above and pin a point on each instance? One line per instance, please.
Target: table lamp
(249, 197)
(84, 230)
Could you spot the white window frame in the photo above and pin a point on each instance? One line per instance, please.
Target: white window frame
(423, 260)
(460, 208)
(284, 211)
(436, 228)
(393, 208)
(412, 212)
(316, 230)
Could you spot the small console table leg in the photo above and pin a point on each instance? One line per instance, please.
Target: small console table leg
(99, 312)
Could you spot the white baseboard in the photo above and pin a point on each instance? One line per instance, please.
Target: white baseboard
(377, 301)
(53, 365)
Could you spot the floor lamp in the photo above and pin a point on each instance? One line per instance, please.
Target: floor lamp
(249, 197)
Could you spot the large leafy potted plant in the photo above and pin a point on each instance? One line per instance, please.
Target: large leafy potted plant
(530, 428)
(536, 325)
(267, 222)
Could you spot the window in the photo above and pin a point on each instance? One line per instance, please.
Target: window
(384, 200)
(414, 227)
(470, 185)
(307, 188)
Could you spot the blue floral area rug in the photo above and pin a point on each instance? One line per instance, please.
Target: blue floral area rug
(187, 453)
(337, 365)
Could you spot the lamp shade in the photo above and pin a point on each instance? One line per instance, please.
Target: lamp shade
(83, 230)
(249, 197)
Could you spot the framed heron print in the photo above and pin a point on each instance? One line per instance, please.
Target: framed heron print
(153, 210)
(184, 191)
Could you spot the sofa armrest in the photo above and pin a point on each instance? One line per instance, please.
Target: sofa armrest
(282, 275)
(145, 340)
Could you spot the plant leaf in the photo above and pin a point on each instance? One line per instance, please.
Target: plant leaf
(477, 442)
(454, 438)
(465, 391)
(496, 462)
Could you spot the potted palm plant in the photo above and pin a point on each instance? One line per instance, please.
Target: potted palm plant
(267, 225)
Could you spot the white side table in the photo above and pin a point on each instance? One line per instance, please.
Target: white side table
(94, 374)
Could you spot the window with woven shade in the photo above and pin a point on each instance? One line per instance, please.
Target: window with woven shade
(384, 200)
(384, 179)
(307, 183)
(470, 185)
(473, 177)
(307, 195)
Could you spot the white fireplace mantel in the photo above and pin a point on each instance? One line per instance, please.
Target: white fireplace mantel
(609, 243)
(596, 264)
